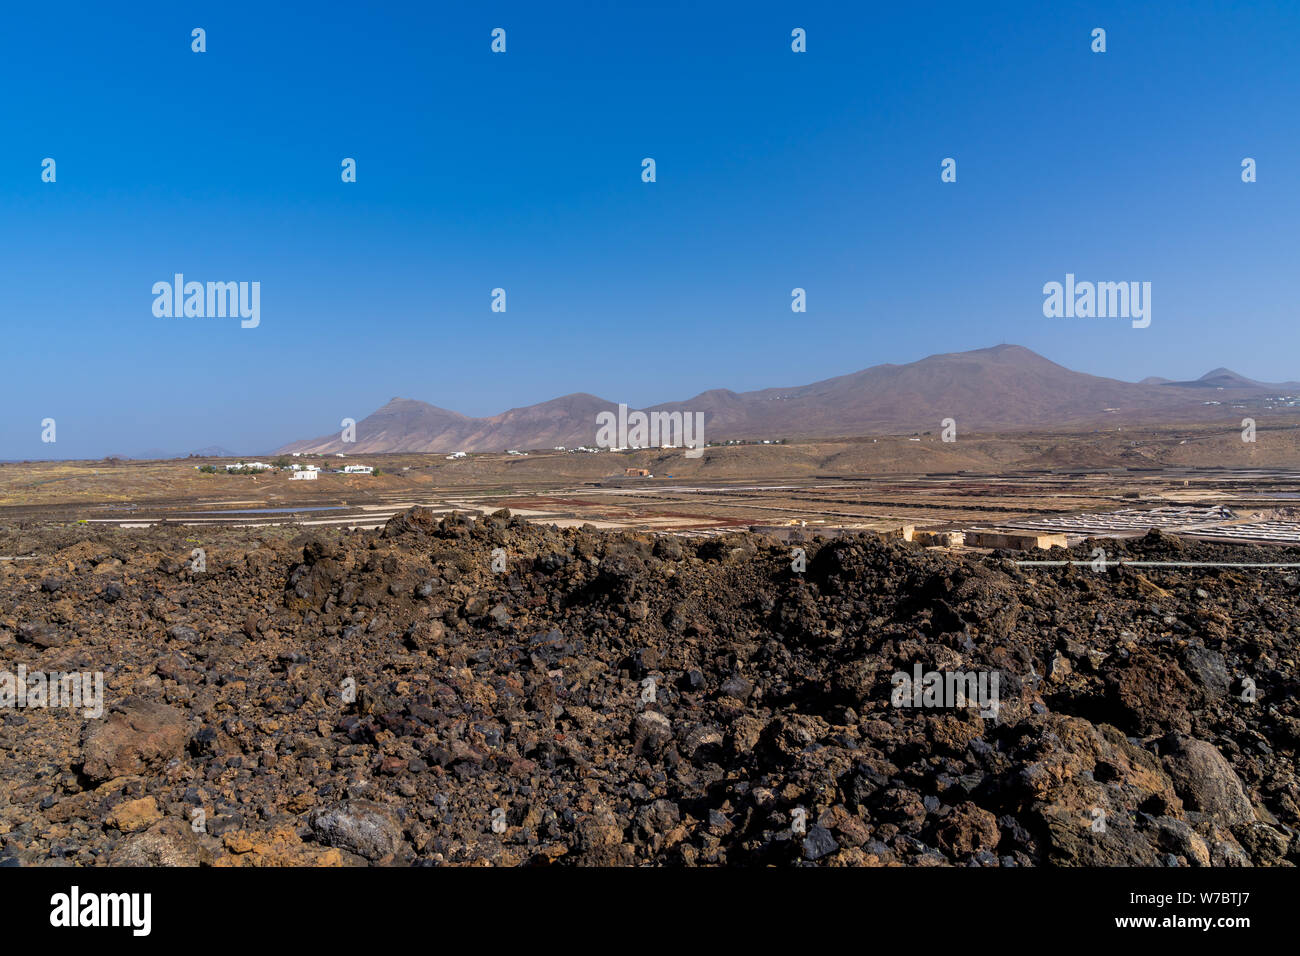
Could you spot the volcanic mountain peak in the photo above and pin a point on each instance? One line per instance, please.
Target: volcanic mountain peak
(1219, 378)
(1223, 376)
(1001, 387)
(573, 400)
(414, 405)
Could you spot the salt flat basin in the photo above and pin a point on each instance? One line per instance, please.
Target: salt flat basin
(271, 511)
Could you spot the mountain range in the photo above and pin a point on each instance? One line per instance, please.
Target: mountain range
(1003, 387)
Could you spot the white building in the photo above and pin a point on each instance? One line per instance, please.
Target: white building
(306, 474)
(250, 465)
(358, 470)
(456, 454)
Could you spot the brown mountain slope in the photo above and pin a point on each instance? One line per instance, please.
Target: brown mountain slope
(1004, 387)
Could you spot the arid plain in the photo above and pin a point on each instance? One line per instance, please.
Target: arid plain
(862, 483)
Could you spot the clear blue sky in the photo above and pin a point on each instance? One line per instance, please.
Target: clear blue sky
(522, 170)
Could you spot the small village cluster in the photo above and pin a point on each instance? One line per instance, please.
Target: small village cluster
(297, 472)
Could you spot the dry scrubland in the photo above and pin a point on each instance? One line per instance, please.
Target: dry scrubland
(1121, 701)
(35, 484)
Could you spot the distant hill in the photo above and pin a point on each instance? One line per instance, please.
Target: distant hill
(1007, 386)
(147, 454)
(159, 454)
(1227, 378)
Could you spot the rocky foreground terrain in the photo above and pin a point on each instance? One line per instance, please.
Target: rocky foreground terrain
(619, 698)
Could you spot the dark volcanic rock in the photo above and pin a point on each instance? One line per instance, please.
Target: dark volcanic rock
(618, 698)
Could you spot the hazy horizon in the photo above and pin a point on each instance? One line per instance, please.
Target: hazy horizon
(149, 453)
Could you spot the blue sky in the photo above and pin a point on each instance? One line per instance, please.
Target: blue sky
(523, 171)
